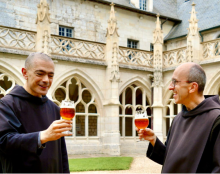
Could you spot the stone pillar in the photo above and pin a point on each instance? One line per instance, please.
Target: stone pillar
(158, 80)
(43, 27)
(194, 48)
(111, 135)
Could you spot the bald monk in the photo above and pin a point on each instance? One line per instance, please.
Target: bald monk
(193, 141)
(31, 138)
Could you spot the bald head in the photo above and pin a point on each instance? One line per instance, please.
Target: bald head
(29, 62)
(193, 73)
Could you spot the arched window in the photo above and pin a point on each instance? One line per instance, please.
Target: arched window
(7, 83)
(172, 109)
(131, 99)
(85, 123)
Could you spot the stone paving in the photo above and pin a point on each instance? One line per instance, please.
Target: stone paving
(140, 164)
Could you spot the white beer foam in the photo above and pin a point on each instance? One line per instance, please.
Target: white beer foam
(67, 104)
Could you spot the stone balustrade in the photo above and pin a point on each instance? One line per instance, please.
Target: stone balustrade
(77, 48)
(174, 57)
(20, 39)
(17, 38)
(211, 49)
(133, 56)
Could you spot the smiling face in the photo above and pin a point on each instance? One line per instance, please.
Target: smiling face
(39, 77)
(182, 87)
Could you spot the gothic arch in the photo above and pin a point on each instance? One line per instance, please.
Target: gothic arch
(84, 78)
(167, 93)
(12, 72)
(213, 85)
(145, 85)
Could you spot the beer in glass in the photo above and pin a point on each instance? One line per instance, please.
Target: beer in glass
(141, 119)
(67, 111)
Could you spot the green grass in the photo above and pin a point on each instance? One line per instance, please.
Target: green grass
(102, 163)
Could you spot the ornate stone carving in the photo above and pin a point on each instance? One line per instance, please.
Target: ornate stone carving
(112, 22)
(17, 39)
(193, 22)
(43, 11)
(158, 33)
(115, 75)
(46, 41)
(135, 57)
(189, 51)
(43, 27)
(157, 80)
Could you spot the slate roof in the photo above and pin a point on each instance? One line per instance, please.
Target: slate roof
(165, 7)
(208, 14)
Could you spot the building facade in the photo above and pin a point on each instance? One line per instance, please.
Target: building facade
(111, 64)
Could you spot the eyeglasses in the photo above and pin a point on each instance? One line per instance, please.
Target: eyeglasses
(176, 81)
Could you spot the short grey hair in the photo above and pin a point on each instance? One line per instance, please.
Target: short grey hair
(197, 74)
(32, 56)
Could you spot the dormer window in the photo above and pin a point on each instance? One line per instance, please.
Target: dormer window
(143, 4)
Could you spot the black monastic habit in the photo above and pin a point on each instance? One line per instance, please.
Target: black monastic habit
(193, 143)
(22, 117)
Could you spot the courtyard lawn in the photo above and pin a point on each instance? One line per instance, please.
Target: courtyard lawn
(102, 163)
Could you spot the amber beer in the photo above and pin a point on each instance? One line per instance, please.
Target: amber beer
(67, 110)
(67, 113)
(141, 123)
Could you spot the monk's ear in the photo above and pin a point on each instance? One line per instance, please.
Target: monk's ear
(24, 73)
(194, 87)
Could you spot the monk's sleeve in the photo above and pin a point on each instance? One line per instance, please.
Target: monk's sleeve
(216, 155)
(156, 152)
(11, 141)
(64, 156)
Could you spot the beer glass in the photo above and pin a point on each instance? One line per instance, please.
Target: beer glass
(141, 119)
(67, 111)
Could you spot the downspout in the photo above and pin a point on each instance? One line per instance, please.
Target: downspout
(201, 35)
(163, 23)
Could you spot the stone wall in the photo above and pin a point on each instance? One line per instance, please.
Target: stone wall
(88, 19)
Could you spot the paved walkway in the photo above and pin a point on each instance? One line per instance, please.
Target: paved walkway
(140, 164)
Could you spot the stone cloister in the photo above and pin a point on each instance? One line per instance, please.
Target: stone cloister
(108, 82)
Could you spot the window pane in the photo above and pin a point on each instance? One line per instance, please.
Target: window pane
(67, 32)
(5, 84)
(132, 44)
(120, 110)
(73, 90)
(92, 109)
(86, 96)
(128, 111)
(128, 126)
(80, 125)
(120, 125)
(60, 94)
(138, 97)
(80, 108)
(128, 96)
(92, 125)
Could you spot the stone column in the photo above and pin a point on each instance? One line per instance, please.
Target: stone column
(43, 27)
(158, 80)
(111, 136)
(194, 48)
